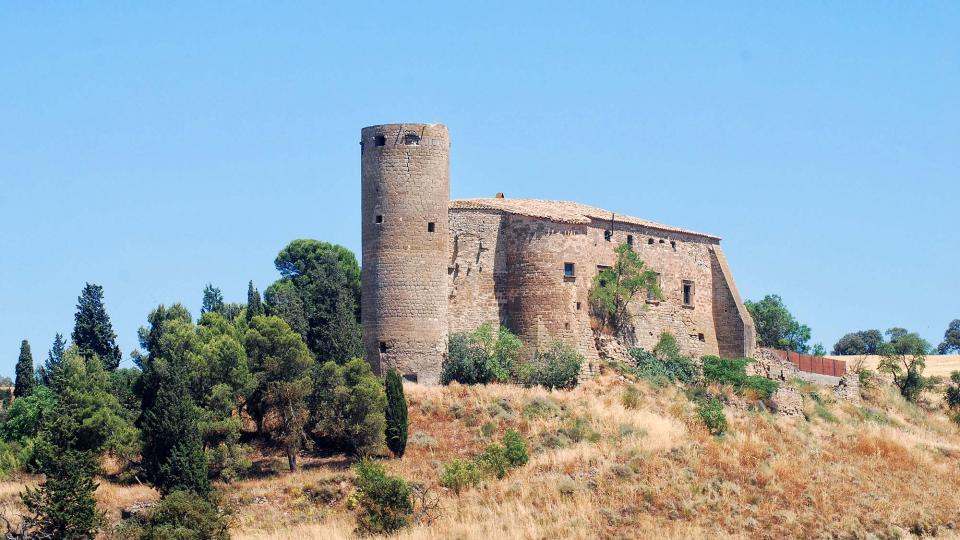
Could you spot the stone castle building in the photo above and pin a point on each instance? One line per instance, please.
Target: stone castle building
(432, 266)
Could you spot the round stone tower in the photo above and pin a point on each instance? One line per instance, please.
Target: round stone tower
(405, 177)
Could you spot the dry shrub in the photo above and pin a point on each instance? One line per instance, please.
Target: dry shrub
(876, 446)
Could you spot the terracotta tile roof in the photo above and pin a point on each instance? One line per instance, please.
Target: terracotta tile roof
(562, 212)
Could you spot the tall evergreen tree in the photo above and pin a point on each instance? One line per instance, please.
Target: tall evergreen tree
(396, 414)
(25, 377)
(254, 305)
(173, 456)
(64, 505)
(212, 300)
(92, 331)
(318, 295)
(54, 359)
(282, 365)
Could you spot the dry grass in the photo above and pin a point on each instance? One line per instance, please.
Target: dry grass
(940, 365)
(600, 470)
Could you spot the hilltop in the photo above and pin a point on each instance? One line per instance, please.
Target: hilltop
(600, 469)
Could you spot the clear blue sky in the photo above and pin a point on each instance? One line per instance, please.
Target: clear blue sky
(155, 149)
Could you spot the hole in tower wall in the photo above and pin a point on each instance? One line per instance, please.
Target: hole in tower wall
(411, 139)
(431, 227)
(380, 140)
(378, 219)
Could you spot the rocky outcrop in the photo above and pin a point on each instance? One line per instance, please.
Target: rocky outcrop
(787, 401)
(612, 349)
(848, 389)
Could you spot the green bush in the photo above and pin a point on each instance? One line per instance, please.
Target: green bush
(183, 515)
(516, 448)
(558, 367)
(228, 461)
(494, 461)
(665, 363)
(24, 415)
(733, 372)
(952, 393)
(763, 386)
(385, 503)
(711, 412)
(348, 406)
(14, 457)
(460, 474)
(482, 356)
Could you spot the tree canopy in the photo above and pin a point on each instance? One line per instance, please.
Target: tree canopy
(318, 295)
(92, 332)
(614, 288)
(212, 300)
(951, 339)
(859, 343)
(776, 326)
(904, 357)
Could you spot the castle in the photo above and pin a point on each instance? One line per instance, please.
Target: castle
(432, 266)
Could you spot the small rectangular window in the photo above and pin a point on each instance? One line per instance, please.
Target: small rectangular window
(380, 140)
(431, 226)
(630, 239)
(687, 293)
(578, 306)
(379, 218)
(568, 270)
(651, 296)
(383, 347)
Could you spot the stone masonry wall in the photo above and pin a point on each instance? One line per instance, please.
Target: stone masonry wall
(405, 184)
(510, 268)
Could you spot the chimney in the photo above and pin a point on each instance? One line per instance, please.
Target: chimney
(499, 194)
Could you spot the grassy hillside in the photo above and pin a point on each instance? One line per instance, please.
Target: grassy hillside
(599, 469)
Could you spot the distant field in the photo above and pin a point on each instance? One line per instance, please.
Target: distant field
(940, 365)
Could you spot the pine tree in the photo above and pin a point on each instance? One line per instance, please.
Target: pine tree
(92, 331)
(212, 300)
(396, 413)
(25, 378)
(54, 358)
(172, 447)
(254, 305)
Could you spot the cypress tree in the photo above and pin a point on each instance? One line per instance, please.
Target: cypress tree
(54, 358)
(25, 377)
(254, 305)
(92, 331)
(173, 456)
(396, 414)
